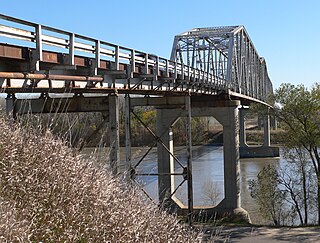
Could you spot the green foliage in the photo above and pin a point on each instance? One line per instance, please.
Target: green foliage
(299, 111)
(298, 108)
(198, 131)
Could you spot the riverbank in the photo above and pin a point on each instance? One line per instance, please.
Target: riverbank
(262, 234)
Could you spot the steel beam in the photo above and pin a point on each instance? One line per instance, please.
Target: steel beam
(46, 104)
(114, 153)
(189, 158)
(127, 111)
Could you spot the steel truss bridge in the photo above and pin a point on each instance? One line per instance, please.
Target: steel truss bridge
(212, 71)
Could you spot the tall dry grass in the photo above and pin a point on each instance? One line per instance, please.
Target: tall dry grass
(48, 194)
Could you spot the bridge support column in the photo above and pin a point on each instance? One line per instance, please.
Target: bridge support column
(165, 120)
(231, 203)
(266, 131)
(228, 116)
(114, 153)
(230, 121)
(242, 123)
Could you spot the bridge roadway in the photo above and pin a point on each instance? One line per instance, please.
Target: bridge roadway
(212, 72)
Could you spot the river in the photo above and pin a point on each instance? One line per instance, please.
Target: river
(207, 174)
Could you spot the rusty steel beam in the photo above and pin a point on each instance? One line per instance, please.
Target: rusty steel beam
(37, 76)
(12, 52)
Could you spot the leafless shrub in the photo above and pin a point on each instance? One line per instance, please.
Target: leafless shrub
(211, 192)
(12, 229)
(48, 194)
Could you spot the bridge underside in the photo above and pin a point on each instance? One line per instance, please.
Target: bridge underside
(54, 81)
(169, 109)
(100, 93)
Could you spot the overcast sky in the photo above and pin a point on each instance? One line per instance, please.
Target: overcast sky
(285, 32)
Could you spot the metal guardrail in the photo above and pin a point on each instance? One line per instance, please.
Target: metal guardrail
(73, 44)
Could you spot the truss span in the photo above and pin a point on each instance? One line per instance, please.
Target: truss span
(204, 61)
(228, 53)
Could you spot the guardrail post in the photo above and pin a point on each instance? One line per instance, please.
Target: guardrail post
(157, 68)
(133, 63)
(117, 65)
(167, 68)
(97, 57)
(36, 56)
(146, 69)
(71, 48)
(175, 70)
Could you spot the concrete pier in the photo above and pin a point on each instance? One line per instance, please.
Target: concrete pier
(264, 151)
(165, 120)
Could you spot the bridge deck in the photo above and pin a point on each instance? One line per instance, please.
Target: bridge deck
(87, 65)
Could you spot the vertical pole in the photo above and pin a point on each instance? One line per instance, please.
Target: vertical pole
(157, 71)
(71, 48)
(97, 57)
(114, 155)
(146, 66)
(266, 130)
(117, 58)
(189, 158)
(165, 119)
(167, 68)
(38, 46)
(242, 127)
(128, 133)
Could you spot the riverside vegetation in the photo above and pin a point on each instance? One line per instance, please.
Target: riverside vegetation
(291, 193)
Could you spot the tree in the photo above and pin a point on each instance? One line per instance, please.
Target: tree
(296, 178)
(298, 109)
(267, 194)
(211, 192)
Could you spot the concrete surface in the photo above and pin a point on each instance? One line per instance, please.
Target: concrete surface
(263, 234)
